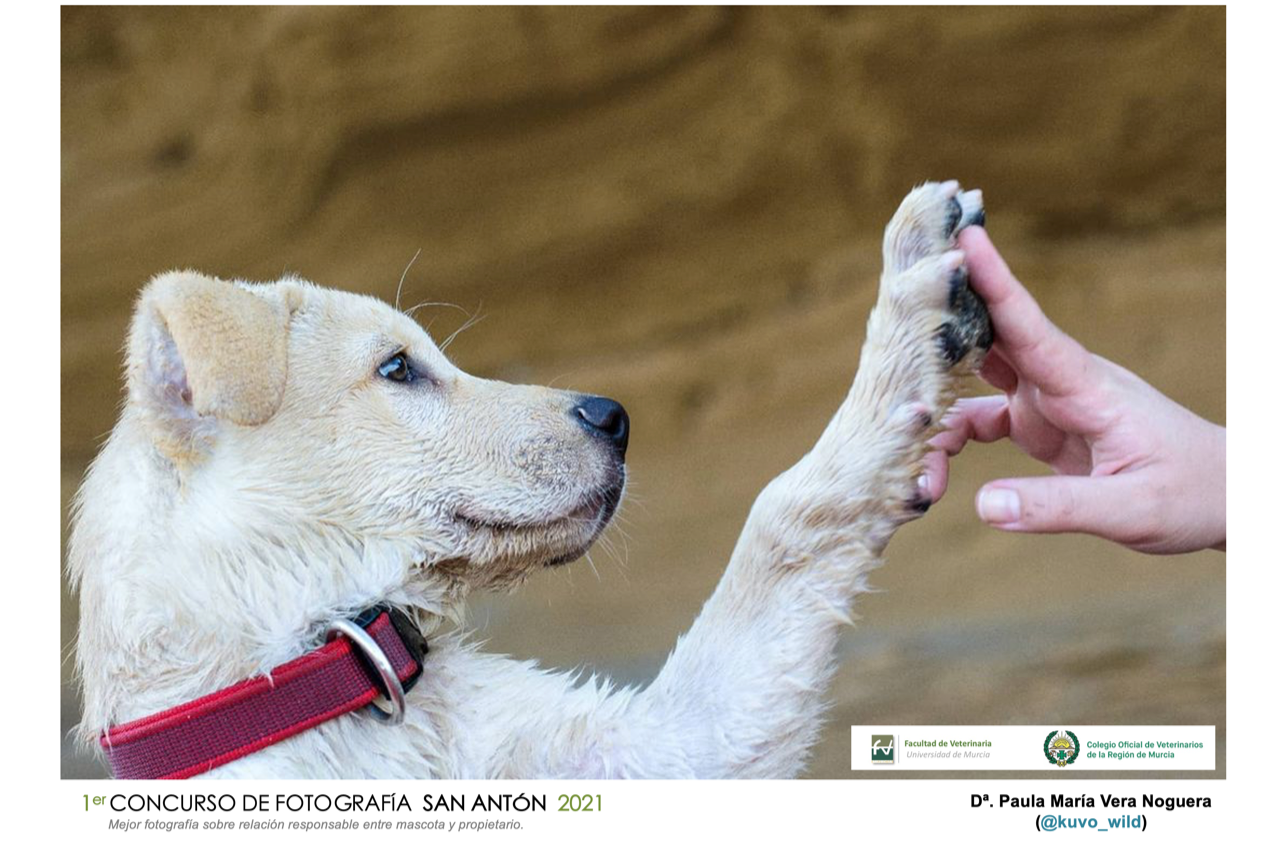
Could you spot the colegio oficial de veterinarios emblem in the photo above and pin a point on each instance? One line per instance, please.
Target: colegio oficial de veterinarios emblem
(1061, 748)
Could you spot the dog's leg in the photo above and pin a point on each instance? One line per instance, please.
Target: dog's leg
(742, 693)
(747, 683)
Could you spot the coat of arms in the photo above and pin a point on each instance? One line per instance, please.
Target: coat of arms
(1061, 748)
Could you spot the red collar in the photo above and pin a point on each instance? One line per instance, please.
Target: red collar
(373, 658)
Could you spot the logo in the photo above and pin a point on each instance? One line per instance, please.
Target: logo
(1061, 748)
(882, 748)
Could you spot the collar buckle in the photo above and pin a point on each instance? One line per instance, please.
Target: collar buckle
(390, 706)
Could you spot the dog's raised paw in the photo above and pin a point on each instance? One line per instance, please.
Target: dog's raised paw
(920, 252)
(928, 222)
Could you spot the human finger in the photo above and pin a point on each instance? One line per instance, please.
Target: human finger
(997, 373)
(933, 482)
(1028, 340)
(984, 419)
(1104, 506)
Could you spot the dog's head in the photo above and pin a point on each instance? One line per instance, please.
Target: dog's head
(339, 411)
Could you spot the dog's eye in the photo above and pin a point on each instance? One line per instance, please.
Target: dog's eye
(397, 369)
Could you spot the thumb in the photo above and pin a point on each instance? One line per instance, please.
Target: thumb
(1051, 505)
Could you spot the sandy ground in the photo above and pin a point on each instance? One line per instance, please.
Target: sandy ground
(681, 210)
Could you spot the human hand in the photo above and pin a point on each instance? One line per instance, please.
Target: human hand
(1132, 465)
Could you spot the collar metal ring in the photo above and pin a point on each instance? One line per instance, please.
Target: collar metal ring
(388, 707)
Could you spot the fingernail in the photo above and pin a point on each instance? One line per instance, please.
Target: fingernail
(999, 506)
(923, 484)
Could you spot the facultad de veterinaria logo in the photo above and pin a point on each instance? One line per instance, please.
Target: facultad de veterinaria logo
(882, 748)
(1061, 748)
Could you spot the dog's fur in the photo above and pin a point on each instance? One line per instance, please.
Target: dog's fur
(264, 479)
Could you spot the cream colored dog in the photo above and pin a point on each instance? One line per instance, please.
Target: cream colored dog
(289, 454)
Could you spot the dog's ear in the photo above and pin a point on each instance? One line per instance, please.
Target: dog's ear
(203, 350)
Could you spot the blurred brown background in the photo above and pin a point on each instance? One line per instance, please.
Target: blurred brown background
(680, 208)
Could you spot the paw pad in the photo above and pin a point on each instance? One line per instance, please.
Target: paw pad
(926, 226)
(970, 325)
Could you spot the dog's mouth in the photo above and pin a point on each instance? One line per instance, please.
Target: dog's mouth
(569, 535)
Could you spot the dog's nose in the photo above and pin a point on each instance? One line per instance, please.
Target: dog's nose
(605, 418)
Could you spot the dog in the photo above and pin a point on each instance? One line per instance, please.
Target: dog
(289, 455)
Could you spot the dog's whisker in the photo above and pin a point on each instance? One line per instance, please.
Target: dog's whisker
(612, 552)
(552, 383)
(626, 545)
(620, 565)
(591, 563)
(422, 304)
(405, 274)
(475, 319)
